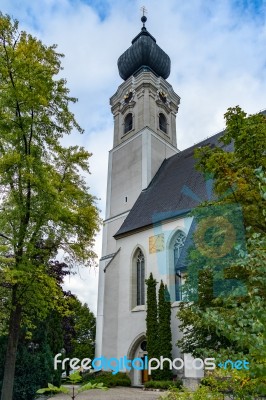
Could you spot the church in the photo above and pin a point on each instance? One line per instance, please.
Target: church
(151, 188)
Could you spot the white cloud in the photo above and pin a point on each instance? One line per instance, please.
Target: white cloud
(218, 60)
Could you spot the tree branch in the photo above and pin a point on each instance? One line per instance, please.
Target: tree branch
(5, 237)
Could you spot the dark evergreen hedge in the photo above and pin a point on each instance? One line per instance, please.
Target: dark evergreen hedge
(152, 328)
(165, 334)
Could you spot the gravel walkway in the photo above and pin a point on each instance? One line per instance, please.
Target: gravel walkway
(119, 393)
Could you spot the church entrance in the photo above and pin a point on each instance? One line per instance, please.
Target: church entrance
(138, 349)
(145, 376)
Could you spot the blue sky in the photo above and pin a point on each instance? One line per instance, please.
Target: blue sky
(217, 50)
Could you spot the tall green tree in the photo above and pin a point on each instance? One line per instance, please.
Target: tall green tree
(84, 329)
(46, 206)
(164, 329)
(231, 323)
(34, 366)
(152, 327)
(233, 172)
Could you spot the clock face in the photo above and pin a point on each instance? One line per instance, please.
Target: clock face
(156, 243)
(128, 97)
(162, 97)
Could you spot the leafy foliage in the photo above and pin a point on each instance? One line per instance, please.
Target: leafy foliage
(108, 379)
(84, 325)
(233, 172)
(74, 378)
(90, 386)
(231, 323)
(33, 369)
(45, 204)
(235, 383)
(53, 389)
(202, 393)
(164, 385)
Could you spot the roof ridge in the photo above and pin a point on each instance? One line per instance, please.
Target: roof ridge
(204, 140)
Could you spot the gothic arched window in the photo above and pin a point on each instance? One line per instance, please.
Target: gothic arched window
(178, 246)
(128, 123)
(162, 122)
(140, 278)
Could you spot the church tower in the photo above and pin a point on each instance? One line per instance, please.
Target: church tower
(144, 108)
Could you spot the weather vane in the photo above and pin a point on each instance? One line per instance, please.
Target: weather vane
(143, 18)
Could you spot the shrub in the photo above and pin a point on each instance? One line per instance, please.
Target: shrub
(235, 382)
(163, 385)
(202, 393)
(33, 369)
(108, 379)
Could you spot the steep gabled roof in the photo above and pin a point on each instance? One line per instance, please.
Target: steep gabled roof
(176, 188)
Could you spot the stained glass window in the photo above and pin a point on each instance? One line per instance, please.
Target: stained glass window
(140, 279)
(178, 246)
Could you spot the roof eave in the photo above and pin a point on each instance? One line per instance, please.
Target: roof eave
(131, 232)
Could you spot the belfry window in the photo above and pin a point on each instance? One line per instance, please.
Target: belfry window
(128, 123)
(179, 276)
(140, 279)
(162, 122)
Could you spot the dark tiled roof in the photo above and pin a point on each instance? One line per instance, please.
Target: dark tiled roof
(176, 188)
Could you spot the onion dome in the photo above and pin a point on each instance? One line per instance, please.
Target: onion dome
(144, 55)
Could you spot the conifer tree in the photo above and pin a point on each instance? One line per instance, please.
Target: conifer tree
(164, 330)
(152, 321)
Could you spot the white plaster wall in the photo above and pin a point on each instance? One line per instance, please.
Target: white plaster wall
(132, 166)
(160, 151)
(100, 309)
(130, 323)
(154, 151)
(110, 228)
(126, 176)
(111, 318)
(109, 246)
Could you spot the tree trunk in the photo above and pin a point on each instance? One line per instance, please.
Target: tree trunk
(11, 353)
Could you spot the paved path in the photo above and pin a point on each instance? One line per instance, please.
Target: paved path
(118, 393)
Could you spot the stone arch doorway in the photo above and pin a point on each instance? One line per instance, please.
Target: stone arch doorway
(138, 349)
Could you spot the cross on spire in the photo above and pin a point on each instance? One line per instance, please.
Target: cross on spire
(144, 18)
(144, 10)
